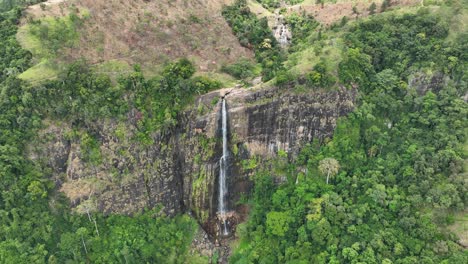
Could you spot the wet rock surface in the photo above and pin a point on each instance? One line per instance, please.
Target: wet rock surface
(424, 82)
(179, 170)
(202, 245)
(281, 30)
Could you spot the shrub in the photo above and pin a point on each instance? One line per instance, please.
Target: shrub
(241, 69)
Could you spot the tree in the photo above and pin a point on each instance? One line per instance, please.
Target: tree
(278, 223)
(355, 10)
(343, 21)
(385, 5)
(372, 8)
(82, 231)
(329, 166)
(355, 68)
(321, 2)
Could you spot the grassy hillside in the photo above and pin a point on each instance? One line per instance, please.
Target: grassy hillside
(388, 187)
(148, 33)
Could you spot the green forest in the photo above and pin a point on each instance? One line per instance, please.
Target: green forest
(396, 164)
(36, 224)
(384, 189)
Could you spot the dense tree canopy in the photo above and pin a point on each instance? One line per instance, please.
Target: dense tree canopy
(255, 33)
(382, 190)
(36, 225)
(400, 155)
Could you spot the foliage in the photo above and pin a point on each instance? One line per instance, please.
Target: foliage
(320, 77)
(397, 162)
(81, 95)
(36, 225)
(355, 68)
(241, 69)
(329, 167)
(385, 4)
(254, 33)
(142, 238)
(14, 59)
(400, 156)
(57, 33)
(284, 77)
(272, 4)
(6, 5)
(372, 8)
(159, 100)
(404, 42)
(301, 27)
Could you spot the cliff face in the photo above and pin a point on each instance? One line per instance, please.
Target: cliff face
(179, 171)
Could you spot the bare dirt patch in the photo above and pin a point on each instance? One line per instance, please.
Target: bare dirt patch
(49, 8)
(460, 228)
(149, 33)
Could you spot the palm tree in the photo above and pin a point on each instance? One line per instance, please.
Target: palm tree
(329, 166)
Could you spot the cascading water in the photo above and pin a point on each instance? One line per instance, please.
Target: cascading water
(223, 166)
(281, 31)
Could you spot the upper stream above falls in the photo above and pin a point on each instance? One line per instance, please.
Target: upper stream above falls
(281, 30)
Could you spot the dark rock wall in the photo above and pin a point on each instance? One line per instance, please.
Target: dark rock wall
(179, 170)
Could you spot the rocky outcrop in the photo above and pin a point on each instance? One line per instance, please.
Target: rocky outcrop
(424, 82)
(281, 30)
(178, 170)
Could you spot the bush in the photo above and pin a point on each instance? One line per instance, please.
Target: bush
(241, 69)
(255, 34)
(320, 77)
(284, 77)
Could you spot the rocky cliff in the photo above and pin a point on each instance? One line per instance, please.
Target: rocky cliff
(179, 170)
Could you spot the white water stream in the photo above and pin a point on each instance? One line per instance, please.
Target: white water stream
(223, 163)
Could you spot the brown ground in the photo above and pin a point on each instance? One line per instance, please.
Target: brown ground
(331, 12)
(150, 32)
(49, 8)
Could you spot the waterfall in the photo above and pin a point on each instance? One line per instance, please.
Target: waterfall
(223, 166)
(281, 30)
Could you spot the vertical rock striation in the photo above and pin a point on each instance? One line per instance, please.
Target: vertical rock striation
(179, 171)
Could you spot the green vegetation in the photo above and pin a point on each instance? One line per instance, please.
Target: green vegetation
(14, 59)
(160, 99)
(397, 160)
(242, 69)
(389, 187)
(44, 70)
(372, 8)
(254, 33)
(36, 225)
(310, 59)
(6, 5)
(126, 239)
(272, 4)
(56, 33)
(301, 27)
(45, 38)
(82, 96)
(410, 46)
